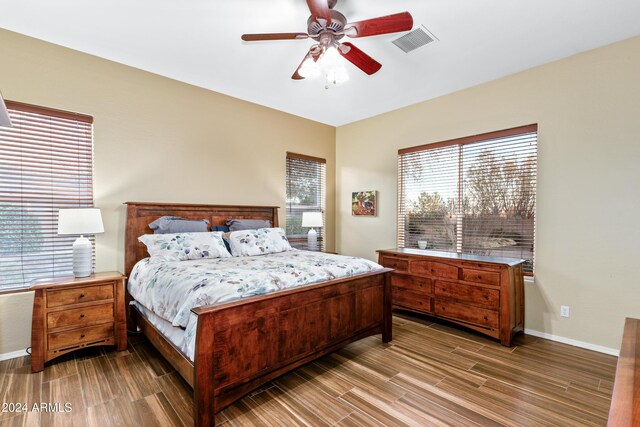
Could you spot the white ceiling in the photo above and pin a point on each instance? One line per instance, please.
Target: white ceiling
(198, 42)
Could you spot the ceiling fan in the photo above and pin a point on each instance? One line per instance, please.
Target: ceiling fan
(327, 26)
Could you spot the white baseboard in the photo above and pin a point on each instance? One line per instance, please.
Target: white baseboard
(13, 355)
(575, 343)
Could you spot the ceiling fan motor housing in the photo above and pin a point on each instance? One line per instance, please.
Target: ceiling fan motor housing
(338, 22)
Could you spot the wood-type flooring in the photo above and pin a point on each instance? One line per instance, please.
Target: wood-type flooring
(429, 375)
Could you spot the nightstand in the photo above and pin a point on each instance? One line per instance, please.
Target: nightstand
(73, 313)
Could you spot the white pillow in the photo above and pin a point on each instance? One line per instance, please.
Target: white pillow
(185, 246)
(258, 242)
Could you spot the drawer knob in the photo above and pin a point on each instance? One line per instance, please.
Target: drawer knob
(444, 289)
(82, 315)
(485, 296)
(442, 308)
(81, 295)
(420, 302)
(82, 336)
(486, 318)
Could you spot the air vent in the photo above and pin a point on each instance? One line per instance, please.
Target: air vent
(415, 39)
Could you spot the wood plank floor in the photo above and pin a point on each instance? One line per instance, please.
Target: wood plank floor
(430, 375)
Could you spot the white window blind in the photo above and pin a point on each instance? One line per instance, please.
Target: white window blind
(474, 195)
(46, 163)
(306, 192)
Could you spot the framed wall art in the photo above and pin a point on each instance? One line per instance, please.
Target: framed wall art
(364, 203)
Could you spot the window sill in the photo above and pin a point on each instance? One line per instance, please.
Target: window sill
(20, 290)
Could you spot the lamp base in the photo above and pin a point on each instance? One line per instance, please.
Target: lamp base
(312, 240)
(82, 257)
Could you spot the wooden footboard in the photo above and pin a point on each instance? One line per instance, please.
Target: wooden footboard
(244, 344)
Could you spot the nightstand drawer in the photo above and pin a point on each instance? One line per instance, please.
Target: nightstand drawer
(79, 316)
(79, 295)
(78, 336)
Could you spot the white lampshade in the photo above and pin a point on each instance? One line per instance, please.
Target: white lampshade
(312, 219)
(4, 114)
(80, 221)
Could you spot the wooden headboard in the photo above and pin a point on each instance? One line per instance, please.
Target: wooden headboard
(139, 215)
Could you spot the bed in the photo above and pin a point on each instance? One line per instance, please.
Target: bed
(242, 344)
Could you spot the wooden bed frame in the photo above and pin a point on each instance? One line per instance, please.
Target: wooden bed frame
(243, 344)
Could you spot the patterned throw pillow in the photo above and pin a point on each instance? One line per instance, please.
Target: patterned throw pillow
(185, 246)
(258, 242)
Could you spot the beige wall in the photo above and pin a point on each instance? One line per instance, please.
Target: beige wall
(159, 140)
(587, 237)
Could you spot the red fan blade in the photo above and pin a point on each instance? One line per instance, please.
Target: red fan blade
(359, 58)
(383, 25)
(320, 9)
(274, 36)
(296, 75)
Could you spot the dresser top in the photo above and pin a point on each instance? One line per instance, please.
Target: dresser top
(452, 256)
(70, 280)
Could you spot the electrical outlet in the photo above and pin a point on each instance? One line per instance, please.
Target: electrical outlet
(564, 311)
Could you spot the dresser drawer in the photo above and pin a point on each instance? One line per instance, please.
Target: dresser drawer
(78, 336)
(396, 263)
(413, 300)
(435, 269)
(80, 316)
(472, 294)
(481, 276)
(412, 283)
(466, 313)
(79, 295)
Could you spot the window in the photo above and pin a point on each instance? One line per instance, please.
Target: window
(46, 163)
(474, 195)
(306, 192)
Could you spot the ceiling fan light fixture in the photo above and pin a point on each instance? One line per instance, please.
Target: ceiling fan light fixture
(333, 66)
(309, 68)
(331, 58)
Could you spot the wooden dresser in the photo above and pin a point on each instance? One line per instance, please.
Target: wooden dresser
(625, 402)
(73, 313)
(485, 294)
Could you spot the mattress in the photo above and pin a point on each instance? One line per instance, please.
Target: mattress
(175, 334)
(170, 289)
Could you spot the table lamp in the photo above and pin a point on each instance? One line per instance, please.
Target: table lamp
(312, 219)
(4, 114)
(80, 221)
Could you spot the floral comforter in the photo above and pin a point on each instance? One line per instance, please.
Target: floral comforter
(170, 289)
